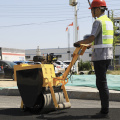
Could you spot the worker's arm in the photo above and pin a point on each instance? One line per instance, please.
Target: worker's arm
(96, 29)
(85, 41)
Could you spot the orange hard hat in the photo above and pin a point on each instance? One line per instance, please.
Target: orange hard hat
(98, 3)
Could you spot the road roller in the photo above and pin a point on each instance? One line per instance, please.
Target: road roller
(40, 89)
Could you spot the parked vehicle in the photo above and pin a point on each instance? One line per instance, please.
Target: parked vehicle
(7, 69)
(37, 62)
(58, 68)
(62, 64)
(25, 62)
(67, 62)
(1, 72)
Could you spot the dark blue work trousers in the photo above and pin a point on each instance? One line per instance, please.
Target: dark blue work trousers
(100, 68)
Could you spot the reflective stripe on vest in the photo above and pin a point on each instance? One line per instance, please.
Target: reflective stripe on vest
(102, 46)
(107, 31)
(107, 37)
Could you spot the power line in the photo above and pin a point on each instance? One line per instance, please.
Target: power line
(42, 15)
(41, 11)
(34, 15)
(112, 0)
(36, 12)
(27, 5)
(51, 5)
(40, 23)
(34, 5)
(36, 8)
(34, 23)
(39, 17)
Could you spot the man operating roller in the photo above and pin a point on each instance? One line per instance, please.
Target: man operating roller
(101, 40)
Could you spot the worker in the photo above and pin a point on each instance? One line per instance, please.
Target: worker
(102, 52)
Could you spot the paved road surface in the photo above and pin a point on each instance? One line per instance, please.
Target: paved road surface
(81, 109)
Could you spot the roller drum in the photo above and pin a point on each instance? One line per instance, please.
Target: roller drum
(64, 105)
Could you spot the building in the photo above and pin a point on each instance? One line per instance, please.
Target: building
(11, 54)
(63, 52)
(30, 53)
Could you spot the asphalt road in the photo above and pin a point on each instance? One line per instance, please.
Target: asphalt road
(81, 109)
(15, 101)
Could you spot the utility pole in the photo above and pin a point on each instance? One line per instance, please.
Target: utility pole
(76, 33)
(75, 22)
(74, 3)
(68, 45)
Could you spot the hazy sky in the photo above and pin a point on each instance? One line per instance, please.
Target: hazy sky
(26, 24)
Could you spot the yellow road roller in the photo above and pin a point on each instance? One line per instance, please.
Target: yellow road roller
(39, 87)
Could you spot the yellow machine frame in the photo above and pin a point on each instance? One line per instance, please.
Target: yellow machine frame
(49, 77)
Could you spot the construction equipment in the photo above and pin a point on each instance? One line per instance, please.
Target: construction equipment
(40, 89)
(46, 59)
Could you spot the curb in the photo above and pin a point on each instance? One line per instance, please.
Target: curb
(9, 92)
(91, 95)
(72, 94)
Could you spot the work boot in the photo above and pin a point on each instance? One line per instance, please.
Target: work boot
(100, 115)
(104, 110)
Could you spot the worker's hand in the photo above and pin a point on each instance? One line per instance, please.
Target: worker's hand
(76, 44)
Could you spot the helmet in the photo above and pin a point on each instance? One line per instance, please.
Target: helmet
(98, 3)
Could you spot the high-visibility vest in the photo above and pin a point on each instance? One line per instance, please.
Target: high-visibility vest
(107, 33)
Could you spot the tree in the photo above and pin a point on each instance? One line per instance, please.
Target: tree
(115, 38)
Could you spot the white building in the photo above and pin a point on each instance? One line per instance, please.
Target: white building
(11, 54)
(57, 51)
(65, 56)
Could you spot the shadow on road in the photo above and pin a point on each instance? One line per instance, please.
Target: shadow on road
(67, 114)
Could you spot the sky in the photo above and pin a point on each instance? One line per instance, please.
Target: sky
(26, 24)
